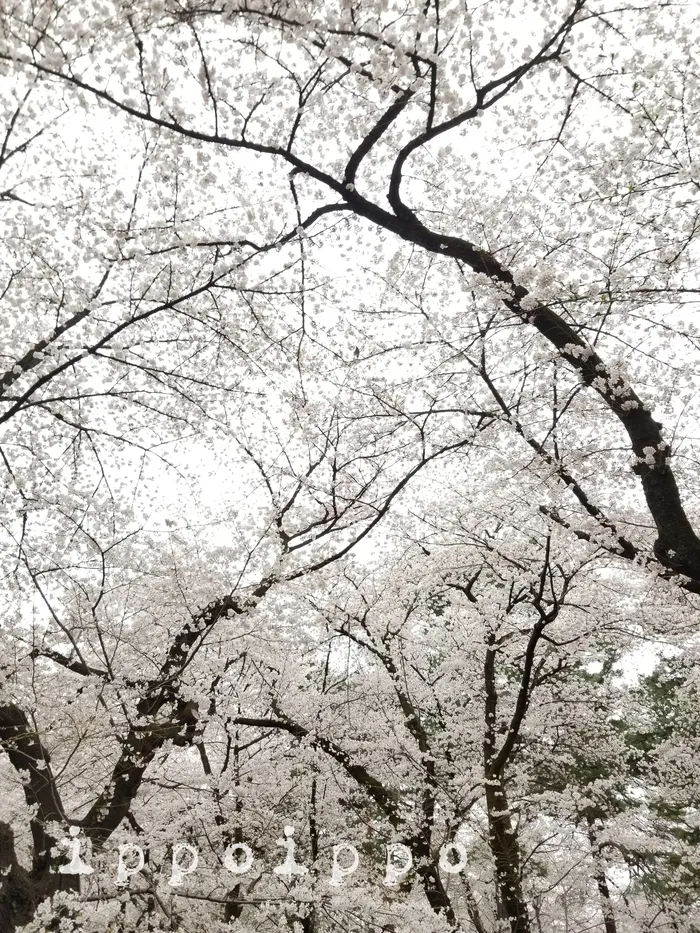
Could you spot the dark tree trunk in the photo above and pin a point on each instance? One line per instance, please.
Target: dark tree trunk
(503, 837)
(601, 879)
(22, 891)
(503, 842)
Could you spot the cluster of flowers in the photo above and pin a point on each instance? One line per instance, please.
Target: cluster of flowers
(238, 859)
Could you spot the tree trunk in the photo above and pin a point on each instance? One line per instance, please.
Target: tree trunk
(22, 891)
(503, 842)
(601, 880)
(503, 839)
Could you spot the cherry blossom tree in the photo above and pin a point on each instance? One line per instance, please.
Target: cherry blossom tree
(336, 491)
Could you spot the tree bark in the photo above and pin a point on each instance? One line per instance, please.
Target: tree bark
(503, 842)
(503, 836)
(22, 891)
(601, 879)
